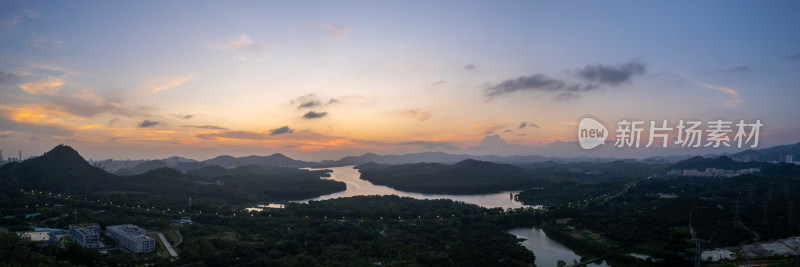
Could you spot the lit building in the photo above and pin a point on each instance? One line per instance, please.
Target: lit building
(86, 235)
(131, 237)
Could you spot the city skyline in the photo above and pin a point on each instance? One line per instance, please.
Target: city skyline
(323, 80)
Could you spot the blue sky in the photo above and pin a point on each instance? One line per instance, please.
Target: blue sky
(199, 79)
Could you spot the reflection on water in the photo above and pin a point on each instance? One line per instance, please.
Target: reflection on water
(639, 256)
(547, 251)
(268, 206)
(358, 187)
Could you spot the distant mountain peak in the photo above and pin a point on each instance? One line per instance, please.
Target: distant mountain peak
(65, 149)
(279, 155)
(65, 154)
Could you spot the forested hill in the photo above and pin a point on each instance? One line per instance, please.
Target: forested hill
(465, 177)
(63, 170)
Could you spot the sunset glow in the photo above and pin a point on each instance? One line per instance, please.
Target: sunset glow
(331, 79)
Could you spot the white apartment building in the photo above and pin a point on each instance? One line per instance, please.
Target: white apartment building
(86, 235)
(131, 237)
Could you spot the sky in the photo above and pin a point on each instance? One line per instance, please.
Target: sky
(319, 80)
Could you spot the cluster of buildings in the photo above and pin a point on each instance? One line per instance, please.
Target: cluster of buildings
(788, 158)
(128, 237)
(712, 172)
(178, 163)
(12, 159)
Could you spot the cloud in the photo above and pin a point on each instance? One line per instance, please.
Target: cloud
(469, 67)
(536, 82)
(241, 43)
(54, 94)
(487, 129)
(567, 96)
(733, 101)
(30, 13)
(39, 40)
(148, 123)
(207, 127)
(417, 114)
(508, 131)
(314, 115)
(32, 120)
(312, 101)
(731, 70)
(4, 135)
(795, 57)
(182, 116)
(87, 104)
(310, 104)
(429, 144)
(243, 135)
(307, 101)
(7, 78)
(527, 124)
(612, 75)
(44, 87)
(281, 130)
(34, 138)
(437, 83)
(492, 141)
(337, 32)
(112, 121)
(9, 23)
(162, 84)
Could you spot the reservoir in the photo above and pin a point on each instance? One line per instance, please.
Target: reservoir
(547, 251)
(358, 187)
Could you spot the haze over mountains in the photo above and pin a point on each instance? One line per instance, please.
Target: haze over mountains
(280, 160)
(64, 170)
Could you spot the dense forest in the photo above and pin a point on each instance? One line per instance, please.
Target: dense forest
(465, 177)
(63, 170)
(601, 210)
(360, 231)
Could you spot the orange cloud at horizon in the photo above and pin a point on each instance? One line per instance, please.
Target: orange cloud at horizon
(44, 87)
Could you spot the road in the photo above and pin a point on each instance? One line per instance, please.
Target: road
(166, 244)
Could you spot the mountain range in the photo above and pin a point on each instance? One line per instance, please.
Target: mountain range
(64, 170)
(280, 160)
(772, 153)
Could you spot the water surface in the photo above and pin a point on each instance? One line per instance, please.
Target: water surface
(547, 251)
(359, 187)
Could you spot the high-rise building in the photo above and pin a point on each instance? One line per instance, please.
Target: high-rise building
(750, 157)
(86, 235)
(131, 238)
